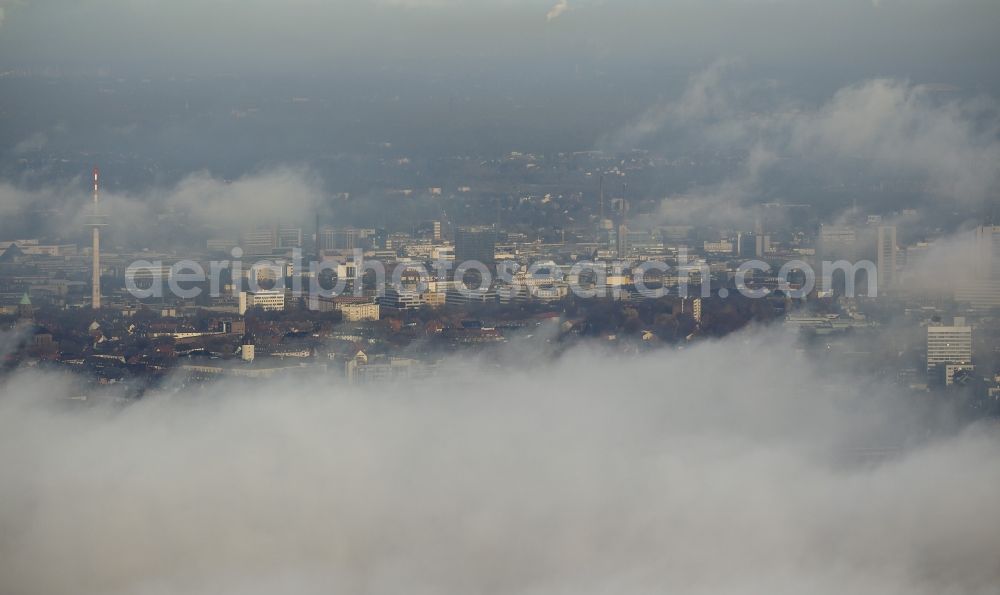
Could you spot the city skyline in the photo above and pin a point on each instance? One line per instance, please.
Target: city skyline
(499, 296)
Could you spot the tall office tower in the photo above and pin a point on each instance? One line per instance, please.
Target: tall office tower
(988, 251)
(622, 241)
(886, 257)
(327, 238)
(436, 233)
(983, 290)
(949, 348)
(259, 242)
(96, 223)
(620, 206)
(289, 237)
(345, 239)
(475, 243)
(607, 235)
(761, 242)
(746, 245)
(837, 242)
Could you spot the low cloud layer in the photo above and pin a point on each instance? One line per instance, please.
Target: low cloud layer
(938, 268)
(947, 141)
(283, 194)
(287, 195)
(593, 475)
(900, 126)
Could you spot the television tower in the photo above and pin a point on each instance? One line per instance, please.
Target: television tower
(96, 223)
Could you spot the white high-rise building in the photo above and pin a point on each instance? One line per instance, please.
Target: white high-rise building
(949, 345)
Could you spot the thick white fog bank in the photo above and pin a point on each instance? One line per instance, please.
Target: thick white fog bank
(731, 467)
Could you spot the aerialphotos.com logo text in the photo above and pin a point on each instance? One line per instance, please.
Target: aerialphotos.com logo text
(652, 279)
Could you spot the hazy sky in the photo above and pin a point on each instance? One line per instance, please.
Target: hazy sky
(907, 87)
(928, 40)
